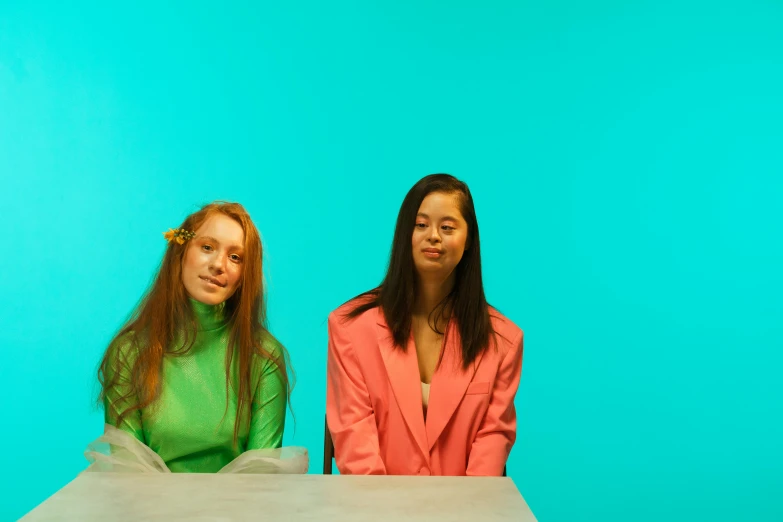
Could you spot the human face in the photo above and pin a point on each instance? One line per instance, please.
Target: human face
(440, 235)
(212, 268)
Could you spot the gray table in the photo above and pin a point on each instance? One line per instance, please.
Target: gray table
(132, 497)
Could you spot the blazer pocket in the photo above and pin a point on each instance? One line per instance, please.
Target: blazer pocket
(478, 388)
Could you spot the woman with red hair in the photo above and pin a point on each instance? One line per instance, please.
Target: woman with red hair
(194, 375)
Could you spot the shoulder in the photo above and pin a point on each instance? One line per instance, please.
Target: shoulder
(124, 347)
(509, 335)
(270, 351)
(120, 356)
(341, 321)
(270, 343)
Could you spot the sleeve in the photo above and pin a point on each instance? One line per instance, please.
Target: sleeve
(498, 430)
(349, 411)
(118, 396)
(267, 415)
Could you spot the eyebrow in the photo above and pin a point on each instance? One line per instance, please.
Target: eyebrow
(210, 238)
(444, 218)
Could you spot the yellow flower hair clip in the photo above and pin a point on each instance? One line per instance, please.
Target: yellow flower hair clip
(179, 235)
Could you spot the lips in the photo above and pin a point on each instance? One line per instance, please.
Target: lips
(432, 253)
(213, 281)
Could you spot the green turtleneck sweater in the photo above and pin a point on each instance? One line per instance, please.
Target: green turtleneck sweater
(189, 425)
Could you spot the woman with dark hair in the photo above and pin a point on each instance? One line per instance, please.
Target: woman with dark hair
(422, 372)
(194, 379)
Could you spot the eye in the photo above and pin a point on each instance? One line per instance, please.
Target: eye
(236, 258)
(206, 248)
(421, 225)
(448, 228)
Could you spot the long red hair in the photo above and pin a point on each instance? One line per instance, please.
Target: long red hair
(164, 317)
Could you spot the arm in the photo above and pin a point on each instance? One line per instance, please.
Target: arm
(349, 411)
(118, 395)
(498, 430)
(267, 418)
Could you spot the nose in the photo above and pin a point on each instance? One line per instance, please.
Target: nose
(218, 264)
(434, 235)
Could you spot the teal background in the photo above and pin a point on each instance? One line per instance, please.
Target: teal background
(625, 159)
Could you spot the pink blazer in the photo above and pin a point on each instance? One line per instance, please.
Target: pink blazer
(374, 408)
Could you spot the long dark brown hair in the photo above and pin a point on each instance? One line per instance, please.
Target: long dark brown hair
(164, 323)
(396, 295)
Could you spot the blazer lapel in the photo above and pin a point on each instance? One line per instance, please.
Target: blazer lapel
(448, 386)
(402, 369)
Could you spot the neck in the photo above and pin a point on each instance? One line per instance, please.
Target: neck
(208, 317)
(432, 290)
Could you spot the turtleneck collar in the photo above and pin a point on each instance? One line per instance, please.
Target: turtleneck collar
(208, 317)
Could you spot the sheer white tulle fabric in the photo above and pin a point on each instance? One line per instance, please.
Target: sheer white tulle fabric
(118, 451)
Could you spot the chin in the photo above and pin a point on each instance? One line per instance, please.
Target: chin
(208, 299)
(430, 268)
